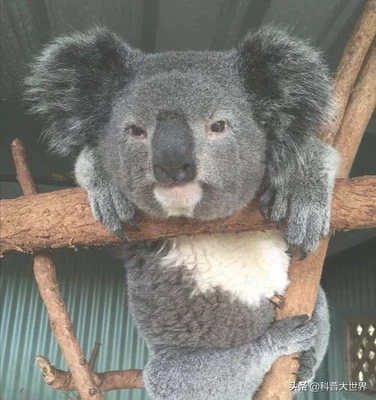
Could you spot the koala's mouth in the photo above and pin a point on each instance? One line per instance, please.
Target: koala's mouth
(178, 199)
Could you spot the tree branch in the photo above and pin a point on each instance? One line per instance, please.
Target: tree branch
(63, 218)
(358, 113)
(45, 276)
(111, 380)
(300, 297)
(351, 62)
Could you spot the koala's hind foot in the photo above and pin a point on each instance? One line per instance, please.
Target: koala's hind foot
(183, 373)
(108, 205)
(293, 334)
(307, 365)
(311, 358)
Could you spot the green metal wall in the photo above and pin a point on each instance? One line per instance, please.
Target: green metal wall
(94, 289)
(350, 283)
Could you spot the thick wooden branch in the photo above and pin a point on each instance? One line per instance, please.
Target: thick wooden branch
(111, 380)
(358, 113)
(45, 276)
(351, 62)
(300, 297)
(63, 218)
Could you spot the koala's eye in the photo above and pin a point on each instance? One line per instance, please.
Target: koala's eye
(137, 131)
(218, 126)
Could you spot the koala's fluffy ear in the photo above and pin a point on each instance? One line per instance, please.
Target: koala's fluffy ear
(288, 84)
(73, 84)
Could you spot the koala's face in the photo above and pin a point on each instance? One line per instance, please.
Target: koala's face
(191, 133)
(182, 142)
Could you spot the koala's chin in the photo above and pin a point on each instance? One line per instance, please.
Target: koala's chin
(179, 200)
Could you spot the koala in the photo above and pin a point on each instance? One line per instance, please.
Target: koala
(198, 134)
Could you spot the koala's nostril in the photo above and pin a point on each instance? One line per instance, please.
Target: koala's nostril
(182, 174)
(168, 174)
(158, 170)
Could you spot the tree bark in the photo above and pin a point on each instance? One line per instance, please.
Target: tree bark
(358, 113)
(110, 380)
(351, 62)
(45, 276)
(352, 116)
(63, 218)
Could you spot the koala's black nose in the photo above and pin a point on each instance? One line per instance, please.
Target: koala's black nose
(173, 152)
(168, 174)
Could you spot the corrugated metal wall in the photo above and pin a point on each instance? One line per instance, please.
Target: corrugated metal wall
(350, 283)
(94, 289)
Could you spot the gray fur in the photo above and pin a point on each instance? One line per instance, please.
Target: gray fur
(198, 338)
(303, 195)
(108, 204)
(311, 359)
(273, 92)
(186, 373)
(168, 314)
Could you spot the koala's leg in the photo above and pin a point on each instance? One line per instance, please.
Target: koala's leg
(311, 359)
(226, 374)
(299, 188)
(108, 204)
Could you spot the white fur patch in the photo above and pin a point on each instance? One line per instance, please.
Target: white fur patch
(179, 200)
(249, 265)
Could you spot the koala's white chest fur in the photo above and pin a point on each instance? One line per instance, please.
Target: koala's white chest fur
(248, 265)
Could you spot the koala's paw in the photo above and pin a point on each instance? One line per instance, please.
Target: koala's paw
(111, 207)
(307, 365)
(308, 217)
(293, 334)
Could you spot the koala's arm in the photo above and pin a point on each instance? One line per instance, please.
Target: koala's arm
(302, 194)
(290, 92)
(226, 374)
(108, 205)
(72, 85)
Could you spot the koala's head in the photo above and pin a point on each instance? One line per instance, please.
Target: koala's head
(182, 141)
(180, 134)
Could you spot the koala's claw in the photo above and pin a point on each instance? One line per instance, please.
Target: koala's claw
(265, 210)
(132, 222)
(302, 255)
(266, 203)
(279, 223)
(307, 364)
(290, 250)
(121, 234)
